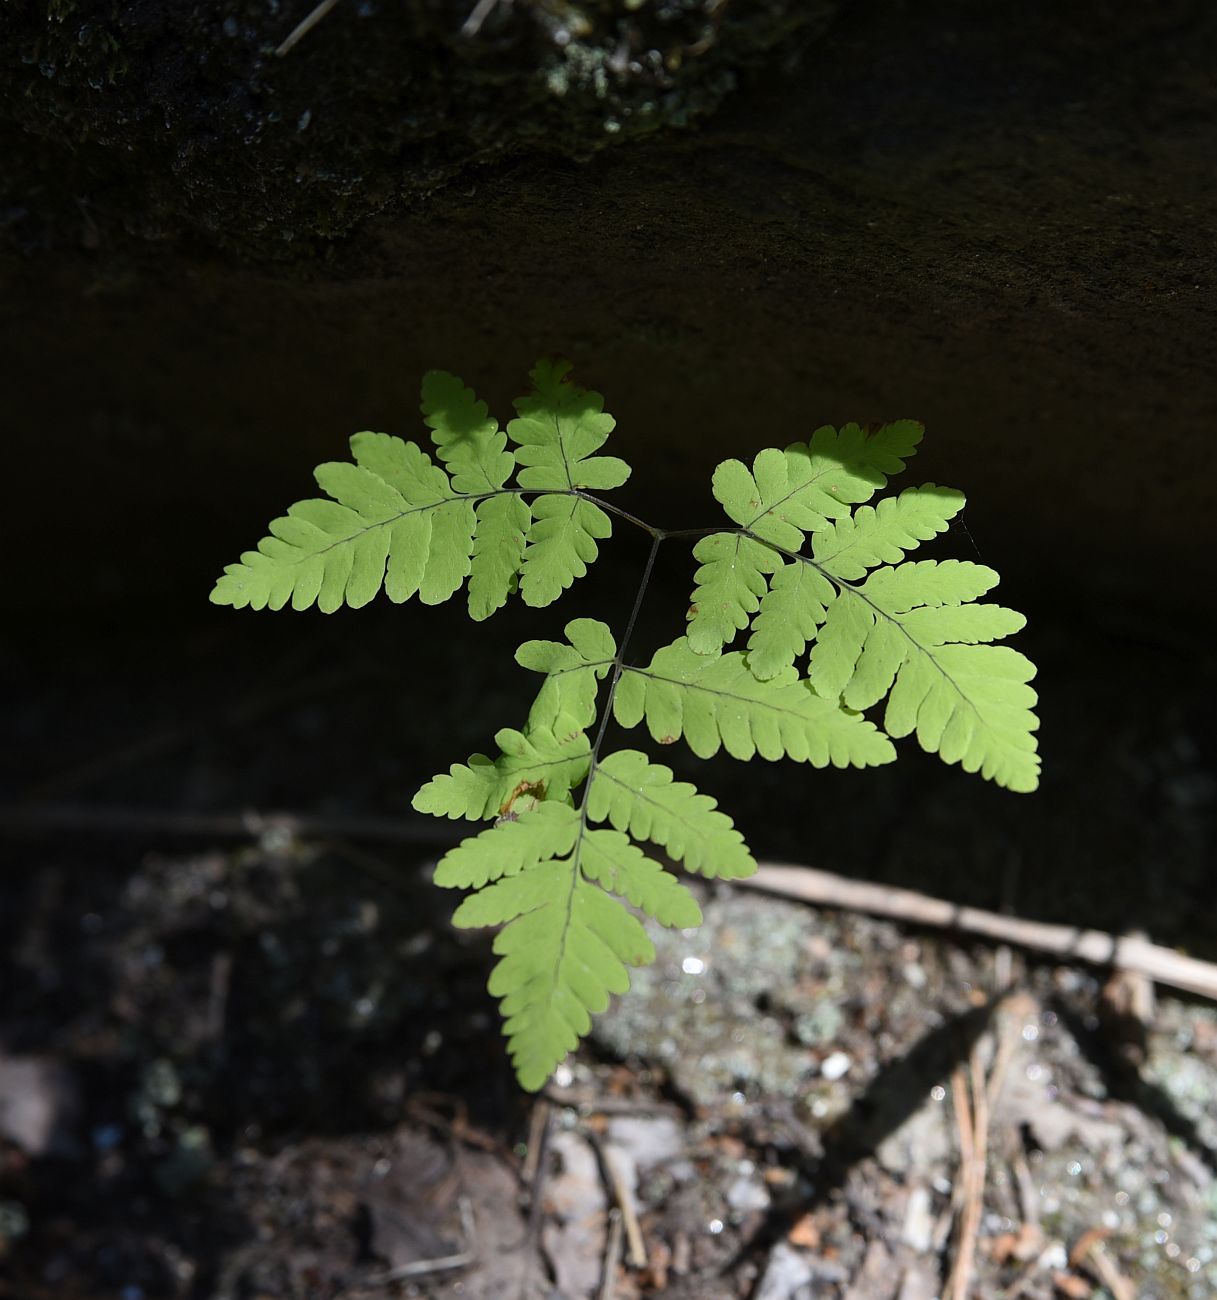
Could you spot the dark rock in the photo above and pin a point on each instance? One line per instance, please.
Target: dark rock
(999, 222)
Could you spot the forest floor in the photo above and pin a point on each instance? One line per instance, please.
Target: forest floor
(244, 1061)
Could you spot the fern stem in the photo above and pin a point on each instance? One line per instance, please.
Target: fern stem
(842, 584)
(659, 534)
(657, 537)
(656, 534)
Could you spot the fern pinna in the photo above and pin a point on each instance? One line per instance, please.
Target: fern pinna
(834, 621)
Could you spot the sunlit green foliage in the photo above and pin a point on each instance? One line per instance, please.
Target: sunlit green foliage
(835, 622)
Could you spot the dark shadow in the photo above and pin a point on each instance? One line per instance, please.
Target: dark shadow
(1126, 1083)
(888, 1101)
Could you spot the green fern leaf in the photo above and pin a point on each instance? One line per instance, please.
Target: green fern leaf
(467, 439)
(641, 797)
(393, 508)
(432, 563)
(529, 769)
(566, 701)
(498, 552)
(792, 492)
(883, 533)
(509, 847)
(561, 544)
(474, 450)
(730, 583)
(791, 610)
(559, 963)
(558, 427)
(910, 632)
(717, 702)
(609, 858)
(566, 944)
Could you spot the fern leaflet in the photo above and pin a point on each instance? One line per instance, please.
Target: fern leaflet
(396, 521)
(567, 699)
(730, 584)
(641, 797)
(790, 611)
(566, 943)
(909, 630)
(718, 703)
(529, 769)
(556, 430)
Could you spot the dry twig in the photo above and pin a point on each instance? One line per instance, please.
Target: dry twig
(306, 25)
(441, 1264)
(1089, 1253)
(612, 1257)
(1069, 943)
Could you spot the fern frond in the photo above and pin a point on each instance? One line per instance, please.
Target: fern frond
(910, 631)
(566, 944)
(558, 427)
(730, 583)
(566, 701)
(798, 490)
(509, 847)
(609, 858)
(467, 439)
(639, 796)
(791, 610)
(561, 544)
(882, 534)
(334, 552)
(718, 703)
(529, 770)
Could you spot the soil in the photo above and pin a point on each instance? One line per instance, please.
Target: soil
(239, 1060)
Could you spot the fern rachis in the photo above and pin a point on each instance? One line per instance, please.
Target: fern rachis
(837, 622)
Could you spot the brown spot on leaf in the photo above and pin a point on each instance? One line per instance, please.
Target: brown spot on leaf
(530, 793)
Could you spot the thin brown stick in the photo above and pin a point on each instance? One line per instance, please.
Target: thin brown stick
(1069, 943)
(625, 1201)
(302, 28)
(612, 1257)
(481, 11)
(1014, 1012)
(957, 1283)
(973, 1121)
(534, 1170)
(442, 1263)
(1105, 1271)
